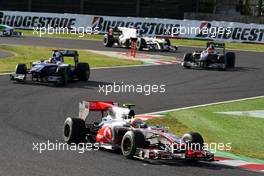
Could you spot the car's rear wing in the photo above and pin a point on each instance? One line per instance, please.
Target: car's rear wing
(99, 106)
(68, 53)
(217, 45)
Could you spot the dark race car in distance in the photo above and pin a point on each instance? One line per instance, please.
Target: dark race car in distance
(214, 57)
(53, 70)
(8, 31)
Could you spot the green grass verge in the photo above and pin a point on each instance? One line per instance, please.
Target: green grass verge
(245, 133)
(28, 54)
(181, 42)
(236, 46)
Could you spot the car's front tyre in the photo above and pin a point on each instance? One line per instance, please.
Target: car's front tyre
(193, 140)
(230, 60)
(131, 141)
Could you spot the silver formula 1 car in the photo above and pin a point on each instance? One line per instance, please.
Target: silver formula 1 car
(123, 37)
(119, 128)
(214, 57)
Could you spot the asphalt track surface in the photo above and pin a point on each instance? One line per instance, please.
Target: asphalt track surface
(35, 113)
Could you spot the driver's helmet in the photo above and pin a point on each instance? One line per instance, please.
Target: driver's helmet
(210, 49)
(52, 60)
(57, 55)
(136, 122)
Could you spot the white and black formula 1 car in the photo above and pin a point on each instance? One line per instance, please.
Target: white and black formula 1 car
(214, 57)
(53, 70)
(123, 36)
(8, 31)
(119, 128)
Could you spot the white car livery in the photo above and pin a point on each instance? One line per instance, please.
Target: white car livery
(123, 37)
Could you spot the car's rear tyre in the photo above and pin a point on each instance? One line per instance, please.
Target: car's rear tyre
(194, 140)
(21, 69)
(131, 141)
(83, 71)
(230, 60)
(141, 44)
(168, 42)
(74, 130)
(108, 41)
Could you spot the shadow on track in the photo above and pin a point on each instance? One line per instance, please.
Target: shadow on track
(72, 84)
(174, 163)
(236, 69)
(244, 69)
(86, 85)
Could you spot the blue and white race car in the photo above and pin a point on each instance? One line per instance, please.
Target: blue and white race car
(53, 70)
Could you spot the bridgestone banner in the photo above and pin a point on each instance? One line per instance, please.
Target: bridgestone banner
(192, 29)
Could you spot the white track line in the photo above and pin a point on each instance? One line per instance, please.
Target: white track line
(203, 105)
(234, 163)
(2, 74)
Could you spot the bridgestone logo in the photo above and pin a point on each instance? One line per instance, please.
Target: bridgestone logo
(215, 30)
(149, 28)
(36, 21)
